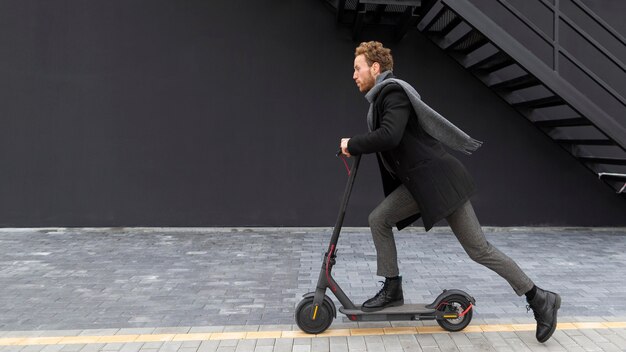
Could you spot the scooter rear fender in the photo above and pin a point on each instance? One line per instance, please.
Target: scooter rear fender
(447, 293)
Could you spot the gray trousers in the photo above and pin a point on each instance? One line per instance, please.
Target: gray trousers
(400, 204)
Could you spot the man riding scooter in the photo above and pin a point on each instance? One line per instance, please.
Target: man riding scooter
(420, 178)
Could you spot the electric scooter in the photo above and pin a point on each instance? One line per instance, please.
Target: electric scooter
(452, 309)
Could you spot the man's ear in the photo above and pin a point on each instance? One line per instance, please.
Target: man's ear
(376, 67)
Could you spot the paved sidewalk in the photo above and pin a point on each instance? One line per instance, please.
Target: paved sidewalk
(65, 282)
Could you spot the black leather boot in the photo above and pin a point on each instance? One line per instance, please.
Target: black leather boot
(545, 305)
(389, 296)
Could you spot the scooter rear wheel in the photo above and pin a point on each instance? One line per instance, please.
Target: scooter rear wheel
(304, 316)
(456, 304)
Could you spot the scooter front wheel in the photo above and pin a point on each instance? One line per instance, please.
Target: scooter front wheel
(309, 320)
(460, 307)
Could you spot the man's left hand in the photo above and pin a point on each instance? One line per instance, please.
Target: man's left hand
(344, 146)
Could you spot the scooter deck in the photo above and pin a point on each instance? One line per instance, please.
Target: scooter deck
(403, 309)
(404, 312)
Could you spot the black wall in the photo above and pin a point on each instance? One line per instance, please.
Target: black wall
(207, 113)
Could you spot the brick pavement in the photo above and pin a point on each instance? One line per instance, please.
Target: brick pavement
(77, 280)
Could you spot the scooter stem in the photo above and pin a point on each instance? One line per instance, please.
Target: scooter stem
(325, 279)
(344, 203)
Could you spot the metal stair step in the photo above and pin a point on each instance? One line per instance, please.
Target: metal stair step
(518, 83)
(400, 14)
(505, 62)
(489, 60)
(469, 42)
(585, 141)
(449, 27)
(540, 103)
(600, 160)
(577, 121)
(443, 11)
(609, 176)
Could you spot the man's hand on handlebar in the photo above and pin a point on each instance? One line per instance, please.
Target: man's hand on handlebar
(344, 147)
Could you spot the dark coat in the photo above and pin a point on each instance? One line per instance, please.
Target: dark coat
(439, 182)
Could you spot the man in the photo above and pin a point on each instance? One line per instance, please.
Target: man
(420, 178)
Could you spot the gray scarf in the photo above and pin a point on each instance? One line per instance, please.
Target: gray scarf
(434, 124)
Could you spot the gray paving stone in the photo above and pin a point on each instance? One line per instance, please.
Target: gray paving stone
(445, 342)
(226, 349)
(265, 342)
(22, 333)
(134, 331)
(52, 348)
(245, 346)
(185, 285)
(238, 328)
(172, 330)
(190, 344)
(98, 332)
(338, 348)
(283, 345)
(617, 340)
(460, 340)
(35, 348)
(208, 346)
(609, 347)
(229, 343)
(301, 348)
(112, 347)
(152, 345)
(320, 344)
(185, 282)
(356, 342)
(426, 340)
(302, 341)
(373, 339)
(11, 348)
(264, 349)
(170, 346)
(73, 348)
(496, 341)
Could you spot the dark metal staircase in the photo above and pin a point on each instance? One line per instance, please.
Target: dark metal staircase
(397, 16)
(575, 116)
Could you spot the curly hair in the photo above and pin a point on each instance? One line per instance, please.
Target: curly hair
(376, 52)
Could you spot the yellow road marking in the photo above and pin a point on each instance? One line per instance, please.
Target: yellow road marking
(257, 335)
(117, 339)
(41, 340)
(228, 336)
(192, 337)
(155, 338)
(400, 331)
(367, 332)
(335, 332)
(430, 330)
(497, 328)
(524, 327)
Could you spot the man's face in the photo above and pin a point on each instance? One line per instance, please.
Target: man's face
(364, 75)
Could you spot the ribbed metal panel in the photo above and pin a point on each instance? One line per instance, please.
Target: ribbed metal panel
(447, 17)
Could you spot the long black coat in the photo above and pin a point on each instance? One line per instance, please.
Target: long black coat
(439, 182)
